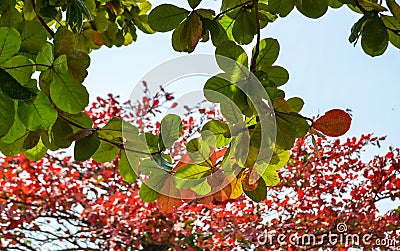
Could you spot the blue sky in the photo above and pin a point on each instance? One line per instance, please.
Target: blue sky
(326, 71)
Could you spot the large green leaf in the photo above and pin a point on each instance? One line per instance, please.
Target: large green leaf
(17, 129)
(37, 152)
(245, 27)
(38, 114)
(128, 168)
(375, 37)
(86, 147)
(281, 7)
(312, 8)
(166, 17)
(198, 150)
(147, 194)
(78, 62)
(171, 129)
(231, 50)
(187, 35)
(33, 37)
(289, 126)
(105, 153)
(14, 148)
(64, 41)
(60, 133)
(68, 94)
(12, 88)
(269, 51)
(6, 114)
(10, 43)
(45, 57)
(20, 68)
(190, 175)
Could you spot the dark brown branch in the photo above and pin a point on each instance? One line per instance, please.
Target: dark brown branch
(44, 24)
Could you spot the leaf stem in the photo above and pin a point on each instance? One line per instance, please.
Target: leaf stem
(28, 65)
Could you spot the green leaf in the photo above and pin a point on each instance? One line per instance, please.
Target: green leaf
(356, 29)
(37, 152)
(371, 6)
(60, 132)
(202, 188)
(11, 18)
(78, 62)
(105, 153)
(33, 37)
(281, 7)
(279, 158)
(312, 8)
(289, 126)
(233, 51)
(335, 4)
(20, 68)
(194, 3)
(147, 194)
(260, 193)
(170, 131)
(64, 41)
(128, 168)
(296, 104)
(14, 148)
(219, 130)
(375, 37)
(17, 129)
(231, 112)
(45, 57)
(245, 27)
(274, 76)
(10, 43)
(166, 17)
(29, 12)
(190, 175)
(12, 88)
(187, 35)
(6, 114)
(68, 94)
(271, 177)
(31, 140)
(198, 150)
(86, 147)
(269, 51)
(81, 119)
(84, 9)
(38, 114)
(60, 64)
(394, 8)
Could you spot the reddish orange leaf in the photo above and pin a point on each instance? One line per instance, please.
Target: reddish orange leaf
(167, 204)
(334, 123)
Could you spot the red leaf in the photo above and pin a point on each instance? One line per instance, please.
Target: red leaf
(334, 123)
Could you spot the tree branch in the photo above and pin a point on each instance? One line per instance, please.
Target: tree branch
(257, 47)
(44, 24)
